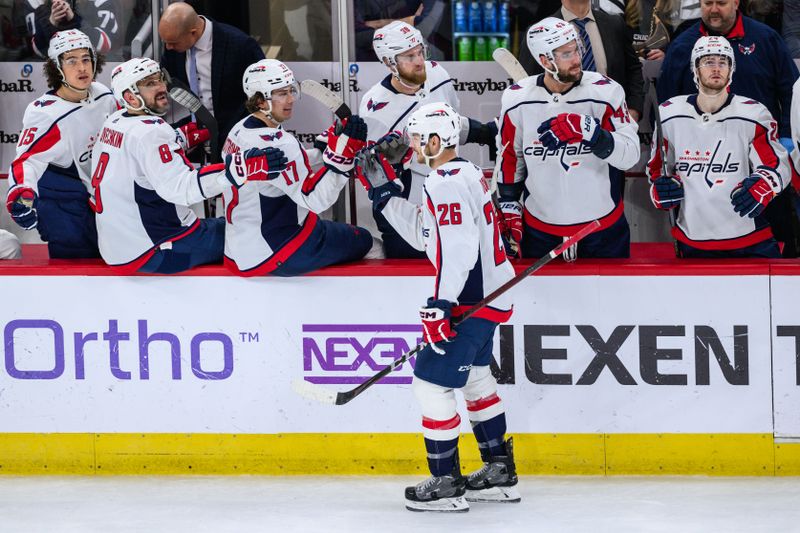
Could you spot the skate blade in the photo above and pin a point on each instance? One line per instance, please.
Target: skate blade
(444, 505)
(494, 495)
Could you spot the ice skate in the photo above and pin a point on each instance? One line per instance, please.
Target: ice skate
(444, 494)
(496, 480)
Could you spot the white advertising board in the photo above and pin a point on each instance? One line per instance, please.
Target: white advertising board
(786, 355)
(590, 354)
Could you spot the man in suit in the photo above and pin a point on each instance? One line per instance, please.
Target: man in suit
(210, 57)
(607, 41)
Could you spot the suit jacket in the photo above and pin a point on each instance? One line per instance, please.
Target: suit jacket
(623, 65)
(231, 53)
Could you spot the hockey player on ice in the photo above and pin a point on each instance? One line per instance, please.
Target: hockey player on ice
(143, 183)
(272, 226)
(568, 137)
(50, 178)
(724, 162)
(457, 228)
(412, 82)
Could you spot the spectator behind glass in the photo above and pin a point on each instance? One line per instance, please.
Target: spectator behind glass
(370, 15)
(764, 72)
(105, 22)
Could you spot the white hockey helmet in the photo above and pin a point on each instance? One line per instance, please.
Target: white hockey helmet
(265, 76)
(65, 41)
(549, 34)
(437, 118)
(395, 38)
(126, 75)
(712, 45)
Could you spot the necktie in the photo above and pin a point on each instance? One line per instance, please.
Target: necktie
(194, 82)
(588, 57)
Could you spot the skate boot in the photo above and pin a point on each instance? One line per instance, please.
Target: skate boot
(444, 494)
(496, 480)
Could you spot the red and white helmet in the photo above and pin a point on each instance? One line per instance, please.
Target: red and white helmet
(549, 34)
(712, 45)
(395, 38)
(437, 118)
(126, 75)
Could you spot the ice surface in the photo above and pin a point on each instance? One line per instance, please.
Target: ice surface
(246, 503)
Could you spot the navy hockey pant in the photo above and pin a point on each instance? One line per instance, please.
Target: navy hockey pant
(330, 243)
(768, 249)
(66, 222)
(612, 242)
(472, 346)
(204, 245)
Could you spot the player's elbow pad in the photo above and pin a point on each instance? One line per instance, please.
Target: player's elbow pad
(510, 192)
(604, 145)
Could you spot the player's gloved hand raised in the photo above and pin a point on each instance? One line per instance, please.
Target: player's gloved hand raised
(256, 164)
(378, 178)
(190, 135)
(339, 155)
(569, 128)
(21, 204)
(666, 192)
(395, 147)
(511, 226)
(752, 195)
(436, 326)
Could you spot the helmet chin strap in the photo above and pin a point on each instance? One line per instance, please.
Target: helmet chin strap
(84, 92)
(144, 108)
(268, 112)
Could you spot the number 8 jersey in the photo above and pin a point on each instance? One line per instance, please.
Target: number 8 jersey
(143, 185)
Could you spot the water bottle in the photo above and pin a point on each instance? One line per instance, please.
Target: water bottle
(489, 16)
(480, 52)
(494, 44)
(460, 16)
(475, 18)
(465, 49)
(503, 17)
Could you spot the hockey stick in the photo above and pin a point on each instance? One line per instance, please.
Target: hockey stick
(661, 150)
(510, 64)
(323, 395)
(513, 68)
(182, 95)
(332, 101)
(326, 97)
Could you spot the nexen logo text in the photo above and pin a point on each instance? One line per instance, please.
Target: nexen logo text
(351, 353)
(23, 339)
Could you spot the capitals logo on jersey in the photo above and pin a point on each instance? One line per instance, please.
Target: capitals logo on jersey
(747, 50)
(152, 121)
(376, 106)
(603, 81)
(272, 136)
(43, 103)
(705, 162)
(570, 151)
(451, 172)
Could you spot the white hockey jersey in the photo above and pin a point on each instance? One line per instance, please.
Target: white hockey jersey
(143, 187)
(59, 135)
(458, 229)
(794, 159)
(712, 153)
(566, 188)
(267, 221)
(385, 110)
